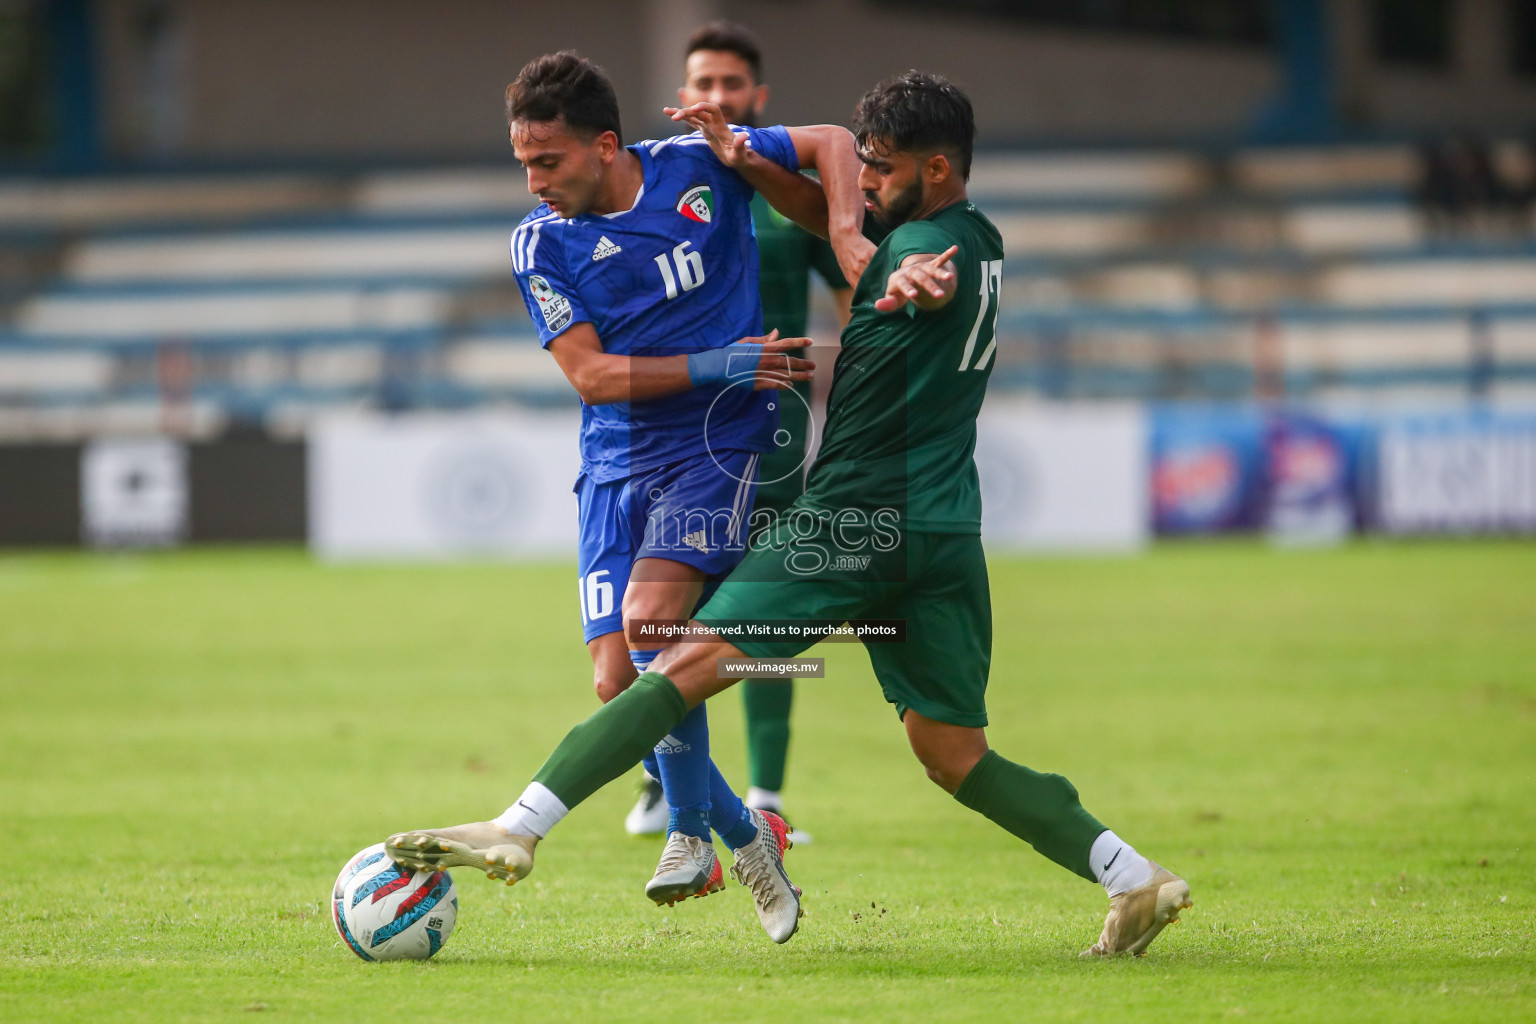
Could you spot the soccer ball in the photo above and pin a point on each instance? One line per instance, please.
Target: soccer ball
(385, 912)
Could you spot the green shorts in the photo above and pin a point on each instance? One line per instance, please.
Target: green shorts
(807, 567)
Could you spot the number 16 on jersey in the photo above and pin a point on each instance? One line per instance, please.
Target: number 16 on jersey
(690, 269)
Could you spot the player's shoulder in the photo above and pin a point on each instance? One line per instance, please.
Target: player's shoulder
(919, 236)
(959, 224)
(539, 214)
(967, 223)
(977, 221)
(535, 240)
(692, 148)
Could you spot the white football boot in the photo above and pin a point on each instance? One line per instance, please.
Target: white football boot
(1135, 917)
(481, 845)
(689, 867)
(760, 867)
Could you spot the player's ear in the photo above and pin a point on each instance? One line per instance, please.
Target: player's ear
(936, 169)
(607, 146)
(759, 98)
(682, 97)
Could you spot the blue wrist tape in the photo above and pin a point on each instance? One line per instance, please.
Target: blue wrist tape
(722, 364)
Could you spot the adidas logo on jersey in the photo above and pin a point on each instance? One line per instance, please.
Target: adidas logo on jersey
(698, 541)
(605, 247)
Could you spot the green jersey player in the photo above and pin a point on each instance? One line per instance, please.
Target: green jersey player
(724, 67)
(888, 529)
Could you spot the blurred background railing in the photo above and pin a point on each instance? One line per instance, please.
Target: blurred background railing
(258, 301)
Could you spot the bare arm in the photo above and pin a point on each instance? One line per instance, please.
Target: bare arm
(601, 378)
(828, 149)
(796, 196)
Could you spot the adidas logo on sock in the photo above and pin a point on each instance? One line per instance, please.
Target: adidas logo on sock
(605, 247)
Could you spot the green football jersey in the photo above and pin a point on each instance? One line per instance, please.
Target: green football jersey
(907, 387)
(786, 254)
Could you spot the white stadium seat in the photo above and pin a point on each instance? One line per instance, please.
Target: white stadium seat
(31, 372)
(1438, 344)
(458, 252)
(489, 362)
(76, 204)
(1337, 228)
(397, 192)
(1324, 168)
(1430, 282)
(1087, 175)
(1071, 233)
(231, 313)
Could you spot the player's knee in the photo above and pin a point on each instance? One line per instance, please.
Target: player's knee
(610, 684)
(939, 777)
(944, 769)
(946, 752)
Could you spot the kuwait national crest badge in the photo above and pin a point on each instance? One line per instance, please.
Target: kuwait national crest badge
(697, 202)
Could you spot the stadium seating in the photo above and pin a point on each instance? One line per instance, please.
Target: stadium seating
(267, 299)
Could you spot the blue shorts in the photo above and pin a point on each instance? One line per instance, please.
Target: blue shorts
(693, 511)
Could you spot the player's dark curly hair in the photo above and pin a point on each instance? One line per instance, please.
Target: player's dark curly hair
(729, 37)
(917, 113)
(565, 85)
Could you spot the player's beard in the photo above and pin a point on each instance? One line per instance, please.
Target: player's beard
(901, 207)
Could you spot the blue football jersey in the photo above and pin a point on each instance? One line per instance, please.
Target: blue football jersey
(676, 273)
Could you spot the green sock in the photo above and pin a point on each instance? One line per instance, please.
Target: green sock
(767, 703)
(613, 739)
(1042, 810)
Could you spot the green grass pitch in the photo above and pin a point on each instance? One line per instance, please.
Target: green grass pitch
(1337, 748)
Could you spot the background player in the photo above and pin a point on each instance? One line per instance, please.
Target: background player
(901, 431)
(639, 271)
(724, 67)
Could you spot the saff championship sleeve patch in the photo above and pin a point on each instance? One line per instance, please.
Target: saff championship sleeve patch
(555, 307)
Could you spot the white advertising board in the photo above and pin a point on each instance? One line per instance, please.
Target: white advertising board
(1466, 474)
(133, 492)
(499, 485)
(441, 486)
(1063, 477)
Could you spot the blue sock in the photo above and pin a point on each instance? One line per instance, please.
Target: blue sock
(727, 814)
(642, 662)
(683, 757)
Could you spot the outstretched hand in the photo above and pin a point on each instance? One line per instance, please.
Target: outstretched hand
(731, 148)
(927, 283)
(776, 369)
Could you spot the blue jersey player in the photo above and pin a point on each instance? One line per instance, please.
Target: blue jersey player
(639, 269)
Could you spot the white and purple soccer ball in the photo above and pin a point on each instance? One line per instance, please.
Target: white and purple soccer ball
(386, 912)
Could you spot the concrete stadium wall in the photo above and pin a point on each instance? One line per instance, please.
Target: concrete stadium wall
(1477, 92)
(1025, 81)
(356, 79)
(349, 78)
